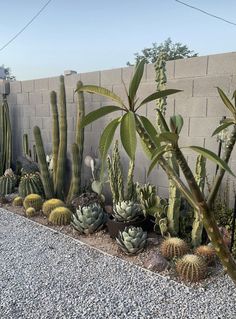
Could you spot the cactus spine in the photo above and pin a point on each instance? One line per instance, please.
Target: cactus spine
(200, 174)
(173, 211)
(45, 175)
(5, 137)
(55, 133)
(61, 161)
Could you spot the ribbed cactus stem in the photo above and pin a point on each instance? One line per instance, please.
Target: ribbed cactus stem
(113, 184)
(25, 145)
(61, 162)
(55, 134)
(130, 181)
(200, 174)
(35, 158)
(80, 130)
(75, 178)
(45, 175)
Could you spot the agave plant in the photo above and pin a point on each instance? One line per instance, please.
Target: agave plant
(88, 219)
(127, 211)
(156, 144)
(132, 240)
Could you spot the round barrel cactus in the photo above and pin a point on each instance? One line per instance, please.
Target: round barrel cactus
(127, 211)
(89, 219)
(191, 268)
(132, 240)
(60, 216)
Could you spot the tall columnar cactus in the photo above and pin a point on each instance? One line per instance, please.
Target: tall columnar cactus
(77, 147)
(55, 133)
(26, 145)
(173, 212)
(5, 137)
(45, 175)
(61, 161)
(200, 174)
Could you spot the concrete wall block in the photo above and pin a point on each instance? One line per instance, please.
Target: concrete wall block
(191, 67)
(35, 98)
(26, 123)
(46, 97)
(70, 138)
(186, 85)
(191, 106)
(29, 110)
(42, 110)
(41, 84)
(127, 74)
(53, 83)
(163, 192)
(120, 91)
(46, 136)
(47, 123)
(90, 78)
(71, 80)
(222, 63)
(71, 123)
(28, 86)
(158, 177)
(203, 126)
(4, 87)
(152, 113)
(109, 77)
(22, 98)
(70, 95)
(145, 89)
(187, 141)
(12, 99)
(207, 86)
(15, 87)
(185, 128)
(216, 107)
(211, 144)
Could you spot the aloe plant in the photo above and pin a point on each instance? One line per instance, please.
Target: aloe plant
(157, 144)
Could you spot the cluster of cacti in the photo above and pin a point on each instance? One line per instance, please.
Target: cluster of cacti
(50, 204)
(17, 201)
(30, 212)
(30, 184)
(33, 200)
(7, 184)
(200, 175)
(116, 179)
(127, 211)
(5, 137)
(207, 252)
(132, 240)
(88, 219)
(191, 268)
(60, 216)
(174, 247)
(55, 184)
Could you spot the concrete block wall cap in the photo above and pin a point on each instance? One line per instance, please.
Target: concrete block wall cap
(69, 72)
(4, 87)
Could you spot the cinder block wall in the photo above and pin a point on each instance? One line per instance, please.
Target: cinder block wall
(199, 104)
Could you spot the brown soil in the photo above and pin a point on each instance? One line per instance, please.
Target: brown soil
(102, 241)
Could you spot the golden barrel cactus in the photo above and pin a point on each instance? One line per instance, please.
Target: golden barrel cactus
(174, 247)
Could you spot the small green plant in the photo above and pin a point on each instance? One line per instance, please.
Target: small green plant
(132, 240)
(88, 219)
(50, 204)
(33, 200)
(127, 211)
(191, 268)
(174, 247)
(60, 216)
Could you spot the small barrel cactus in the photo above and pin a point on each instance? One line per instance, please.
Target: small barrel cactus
(30, 184)
(51, 204)
(7, 184)
(17, 201)
(33, 200)
(60, 216)
(132, 240)
(207, 252)
(127, 211)
(30, 212)
(191, 268)
(89, 219)
(174, 247)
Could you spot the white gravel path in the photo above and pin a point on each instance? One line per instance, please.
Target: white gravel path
(44, 274)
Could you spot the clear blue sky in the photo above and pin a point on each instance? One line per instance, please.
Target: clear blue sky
(96, 35)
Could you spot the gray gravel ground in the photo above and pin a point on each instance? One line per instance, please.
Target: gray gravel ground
(44, 274)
